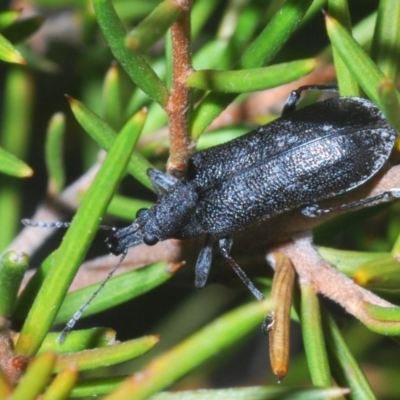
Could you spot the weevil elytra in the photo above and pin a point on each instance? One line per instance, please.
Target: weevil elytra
(301, 158)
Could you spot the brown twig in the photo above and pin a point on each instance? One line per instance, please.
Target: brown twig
(328, 281)
(11, 366)
(178, 106)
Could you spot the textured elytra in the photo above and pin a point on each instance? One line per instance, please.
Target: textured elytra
(301, 158)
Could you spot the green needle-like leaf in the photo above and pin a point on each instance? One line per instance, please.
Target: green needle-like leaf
(12, 269)
(347, 84)
(62, 385)
(36, 377)
(54, 153)
(367, 74)
(112, 108)
(126, 208)
(154, 26)
(255, 393)
(260, 52)
(387, 319)
(23, 29)
(69, 256)
(79, 340)
(5, 386)
(386, 41)
(313, 338)
(104, 136)
(389, 99)
(110, 355)
(15, 138)
(96, 386)
(202, 11)
(382, 273)
(11, 165)
(223, 135)
(117, 291)
(251, 79)
(8, 53)
(346, 371)
(8, 17)
(172, 365)
(133, 63)
(275, 34)
(349, 261)
(213, 55)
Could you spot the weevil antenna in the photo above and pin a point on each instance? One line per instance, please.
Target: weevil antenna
(71, 323)
(41, 224)
(57, 224)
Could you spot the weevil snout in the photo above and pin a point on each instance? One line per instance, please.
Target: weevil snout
(123, 238)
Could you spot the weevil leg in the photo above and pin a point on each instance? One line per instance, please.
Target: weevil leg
(314, 210)
(203, 263)
(225, 245)
(294, 97)
(160, 181)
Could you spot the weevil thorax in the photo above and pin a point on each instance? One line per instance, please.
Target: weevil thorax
(165, 220)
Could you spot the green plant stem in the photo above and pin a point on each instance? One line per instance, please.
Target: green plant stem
(179, 105)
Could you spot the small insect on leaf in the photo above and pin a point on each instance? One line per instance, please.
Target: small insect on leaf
(303, 157)
(292, 163)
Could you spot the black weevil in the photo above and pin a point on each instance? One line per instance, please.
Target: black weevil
(305, 156)
(301, 158)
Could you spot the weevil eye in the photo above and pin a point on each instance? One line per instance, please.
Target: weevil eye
(150, 240)
(140, 212)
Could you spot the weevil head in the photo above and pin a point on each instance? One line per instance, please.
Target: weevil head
(165, 220)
